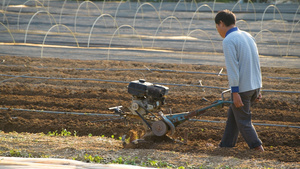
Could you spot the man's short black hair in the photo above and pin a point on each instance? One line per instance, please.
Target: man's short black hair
(226, 16)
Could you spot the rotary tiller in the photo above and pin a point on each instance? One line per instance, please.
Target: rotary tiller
(148, 98)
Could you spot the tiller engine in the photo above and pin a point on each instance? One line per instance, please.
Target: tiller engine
(148, 98)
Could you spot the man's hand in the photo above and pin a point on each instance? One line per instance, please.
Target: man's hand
(237, 101)
(258, 98)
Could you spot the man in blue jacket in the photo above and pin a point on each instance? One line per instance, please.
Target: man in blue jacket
(244, 76)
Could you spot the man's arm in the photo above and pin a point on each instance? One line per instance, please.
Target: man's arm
(232, 65)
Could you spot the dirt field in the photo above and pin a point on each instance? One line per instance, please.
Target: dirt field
(84, 92)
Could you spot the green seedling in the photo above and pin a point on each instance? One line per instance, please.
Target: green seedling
(15, 153)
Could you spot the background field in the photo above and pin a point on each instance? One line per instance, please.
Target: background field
(45, 74)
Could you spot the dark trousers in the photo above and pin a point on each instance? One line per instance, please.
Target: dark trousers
(239, 121)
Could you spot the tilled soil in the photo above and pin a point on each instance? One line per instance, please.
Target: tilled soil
(93, 86)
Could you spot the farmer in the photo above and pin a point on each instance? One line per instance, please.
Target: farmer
(244, 76)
